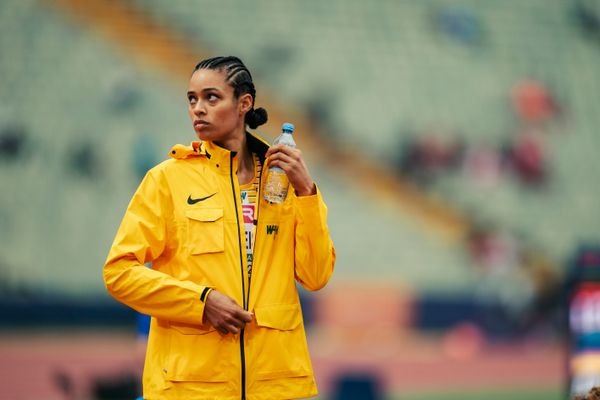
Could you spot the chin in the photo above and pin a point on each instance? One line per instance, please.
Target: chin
(203, 135)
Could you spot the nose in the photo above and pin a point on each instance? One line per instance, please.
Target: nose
(198, 108)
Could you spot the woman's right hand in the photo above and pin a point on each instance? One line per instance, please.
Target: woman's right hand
(224, 314)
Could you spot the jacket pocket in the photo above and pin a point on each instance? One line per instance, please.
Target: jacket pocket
(281, 343)
(201, 354)
(205, 230)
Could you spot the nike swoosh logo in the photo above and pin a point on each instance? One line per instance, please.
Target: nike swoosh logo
(194, 201)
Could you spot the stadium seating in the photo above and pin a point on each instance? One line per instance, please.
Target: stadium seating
(387, 69)
(374, 74)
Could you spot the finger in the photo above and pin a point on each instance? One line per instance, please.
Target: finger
(236, 321)
(232, 329)
(226, 328)
(281, 148)
(222, 330)
(244, 316)
(239, 319)
(275, 149)
(281, 160)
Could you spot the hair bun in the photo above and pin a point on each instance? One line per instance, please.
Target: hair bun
(256, 117)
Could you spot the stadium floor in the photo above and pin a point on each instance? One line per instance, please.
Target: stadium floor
(541, 394)
(416, 367)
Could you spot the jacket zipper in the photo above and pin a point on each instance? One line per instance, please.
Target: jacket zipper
(237, 217)
(256, 231)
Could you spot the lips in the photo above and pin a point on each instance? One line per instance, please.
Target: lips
(199, 123)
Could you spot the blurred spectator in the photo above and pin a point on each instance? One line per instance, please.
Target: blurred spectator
(83, 160)
(319, 109)
(503, 283)
(144, 155)
(461, 24)
(483, 165)
(545, 318)
(528, 158)
(588, 20)
(122, 93)
(522, 283)
(425, 157)
(593, 394)
(12, 141)
(582, 291)
(494, 249)
(533, 102)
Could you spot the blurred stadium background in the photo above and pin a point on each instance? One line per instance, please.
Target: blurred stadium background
(455, 143)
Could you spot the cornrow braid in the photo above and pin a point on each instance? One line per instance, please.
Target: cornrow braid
(240, 79)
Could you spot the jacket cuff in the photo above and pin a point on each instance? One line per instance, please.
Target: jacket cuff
(309, 207)
(306, 199)
(204, 294)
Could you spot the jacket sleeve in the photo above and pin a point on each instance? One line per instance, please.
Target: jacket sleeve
(314, 251)
(141, 238)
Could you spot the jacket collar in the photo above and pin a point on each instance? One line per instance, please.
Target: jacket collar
(257, 145)
(217, 155)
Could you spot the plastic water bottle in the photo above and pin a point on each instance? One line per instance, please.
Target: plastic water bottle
(276, 188)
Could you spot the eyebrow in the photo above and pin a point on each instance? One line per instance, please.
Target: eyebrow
(208, 89)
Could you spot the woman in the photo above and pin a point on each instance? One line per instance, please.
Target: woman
(226, 317)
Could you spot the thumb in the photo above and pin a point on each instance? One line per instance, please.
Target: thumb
(245, 315)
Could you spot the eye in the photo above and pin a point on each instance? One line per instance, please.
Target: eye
(192, 99)
(212, 97)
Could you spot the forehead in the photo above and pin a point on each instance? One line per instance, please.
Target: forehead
(203, 79)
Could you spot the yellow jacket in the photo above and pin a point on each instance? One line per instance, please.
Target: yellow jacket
(186, 219)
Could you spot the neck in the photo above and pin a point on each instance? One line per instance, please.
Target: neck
(235, 142)
(239, 145)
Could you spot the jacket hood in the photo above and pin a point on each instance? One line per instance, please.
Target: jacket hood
(207, 148)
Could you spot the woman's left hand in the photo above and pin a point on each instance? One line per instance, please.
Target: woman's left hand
(290, 160)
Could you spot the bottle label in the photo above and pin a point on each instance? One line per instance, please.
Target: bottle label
(277, 187)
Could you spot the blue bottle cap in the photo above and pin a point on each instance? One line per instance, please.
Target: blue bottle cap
(287, 127)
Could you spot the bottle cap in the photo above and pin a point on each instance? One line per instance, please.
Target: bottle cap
(287, 127)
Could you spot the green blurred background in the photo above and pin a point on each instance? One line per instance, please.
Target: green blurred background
(455, 143)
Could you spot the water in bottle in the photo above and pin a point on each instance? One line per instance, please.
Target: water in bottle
(276, 188)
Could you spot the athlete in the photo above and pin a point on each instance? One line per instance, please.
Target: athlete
(226, 319)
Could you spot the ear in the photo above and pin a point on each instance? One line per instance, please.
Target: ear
(245, 103)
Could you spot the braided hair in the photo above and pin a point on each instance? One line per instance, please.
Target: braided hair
(240, 79)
